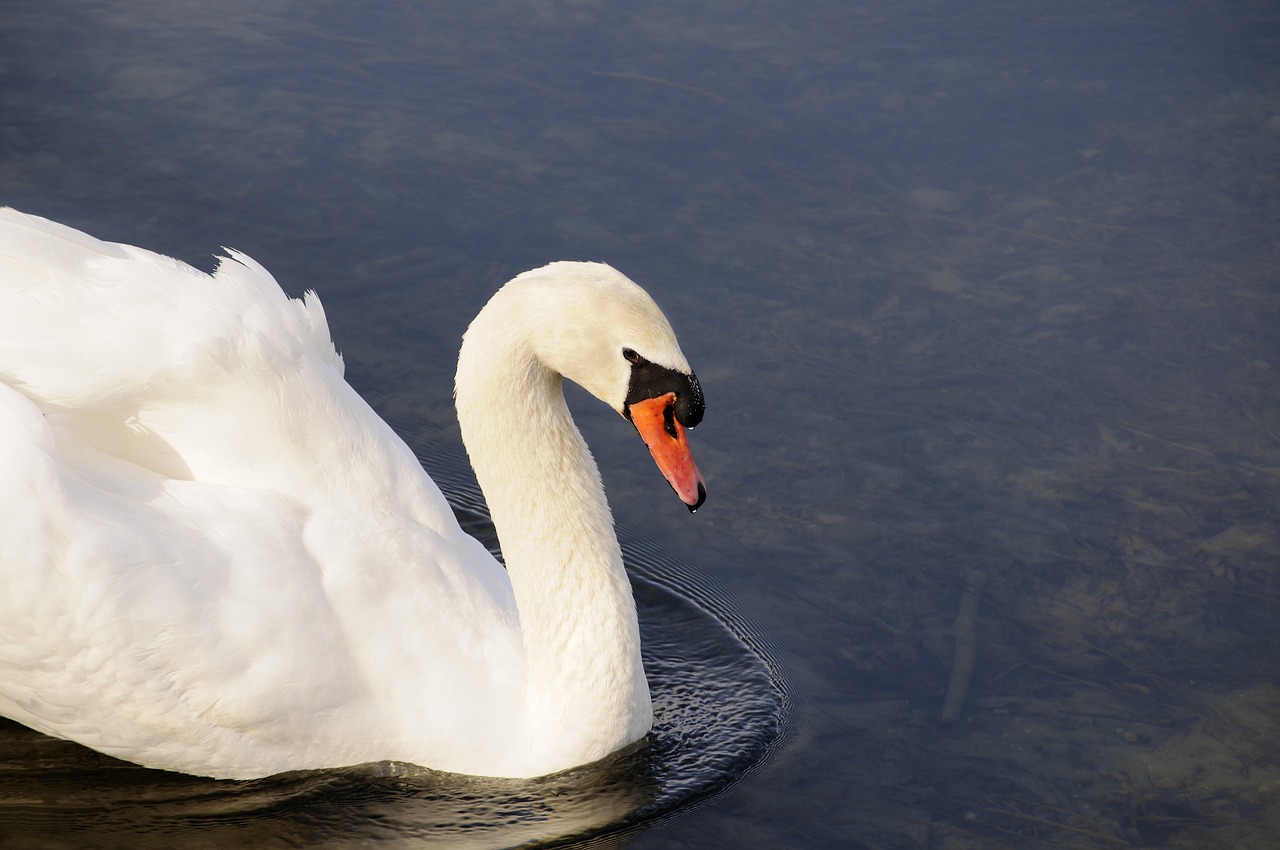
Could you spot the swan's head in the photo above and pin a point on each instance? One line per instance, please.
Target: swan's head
(592, 325)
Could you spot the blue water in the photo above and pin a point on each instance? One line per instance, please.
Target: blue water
(981, 295)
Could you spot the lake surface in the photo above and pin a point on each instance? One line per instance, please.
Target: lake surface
(984, 300)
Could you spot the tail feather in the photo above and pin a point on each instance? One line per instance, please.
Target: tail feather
(92, 324)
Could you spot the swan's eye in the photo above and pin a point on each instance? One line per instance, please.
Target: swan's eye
(629, 354)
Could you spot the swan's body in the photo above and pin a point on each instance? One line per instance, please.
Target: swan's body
(216, 558)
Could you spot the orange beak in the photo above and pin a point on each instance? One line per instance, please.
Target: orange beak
(667, 442)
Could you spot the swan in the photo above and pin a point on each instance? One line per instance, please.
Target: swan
(217, 559)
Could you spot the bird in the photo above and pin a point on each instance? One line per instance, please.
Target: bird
(217, 559)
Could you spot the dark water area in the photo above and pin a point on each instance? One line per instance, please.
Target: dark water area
(984, 301)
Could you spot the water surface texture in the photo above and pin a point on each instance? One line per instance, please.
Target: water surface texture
(984, 300)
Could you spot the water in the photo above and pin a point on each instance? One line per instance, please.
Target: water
(973, 289)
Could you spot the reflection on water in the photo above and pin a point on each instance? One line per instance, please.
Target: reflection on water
(972, 288)
(73, 802)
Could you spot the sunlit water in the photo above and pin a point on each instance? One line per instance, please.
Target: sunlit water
(984, 300)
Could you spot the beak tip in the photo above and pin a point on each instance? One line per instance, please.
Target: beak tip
(702, 497)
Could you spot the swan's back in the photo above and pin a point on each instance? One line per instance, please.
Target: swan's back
(218, 378)
(65, 291)
(199, 518)
(104, 333)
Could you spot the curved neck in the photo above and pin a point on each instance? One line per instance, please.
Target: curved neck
(577, 614)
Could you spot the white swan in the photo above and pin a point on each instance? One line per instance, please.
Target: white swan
(215, 558)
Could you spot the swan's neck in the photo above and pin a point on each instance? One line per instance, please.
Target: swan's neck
(585, 683)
